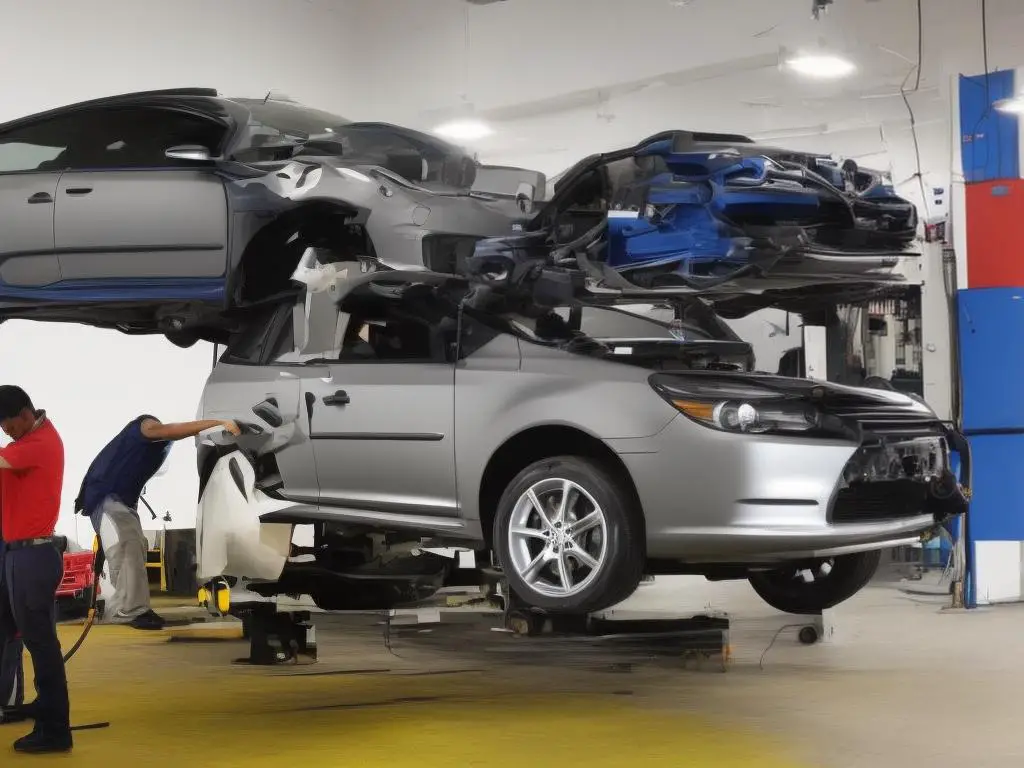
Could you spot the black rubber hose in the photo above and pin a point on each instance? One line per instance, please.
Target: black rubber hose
(97, 571)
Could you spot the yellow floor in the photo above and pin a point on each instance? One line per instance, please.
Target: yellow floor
(184, 704)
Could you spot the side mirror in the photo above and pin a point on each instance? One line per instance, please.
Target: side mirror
(269, 412)
(193, 152)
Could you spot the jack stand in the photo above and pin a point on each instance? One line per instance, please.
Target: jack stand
(278, 638)
(821, 629)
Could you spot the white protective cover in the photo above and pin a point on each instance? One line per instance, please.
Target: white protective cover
(230, 539)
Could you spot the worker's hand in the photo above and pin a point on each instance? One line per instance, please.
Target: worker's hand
(232, 427)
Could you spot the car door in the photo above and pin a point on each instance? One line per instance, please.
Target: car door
(382, 418)
(28, 186)
(125, 211)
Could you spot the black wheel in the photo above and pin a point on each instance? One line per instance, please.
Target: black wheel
(833, 582)
(569, 536)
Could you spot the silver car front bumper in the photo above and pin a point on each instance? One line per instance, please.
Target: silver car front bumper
(711, 496)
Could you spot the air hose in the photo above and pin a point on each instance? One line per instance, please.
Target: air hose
(90, 619)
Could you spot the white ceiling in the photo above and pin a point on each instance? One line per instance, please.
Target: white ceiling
(561, 78)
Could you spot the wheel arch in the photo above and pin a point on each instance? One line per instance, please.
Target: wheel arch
(534, 443)
(269, 250)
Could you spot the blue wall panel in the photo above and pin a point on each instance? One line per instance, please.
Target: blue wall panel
(991, 327)
(997, 506)
(990, 139)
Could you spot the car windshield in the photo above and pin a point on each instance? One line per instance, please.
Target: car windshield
(288, 120)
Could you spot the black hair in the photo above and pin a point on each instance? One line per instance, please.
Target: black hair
(13, 400)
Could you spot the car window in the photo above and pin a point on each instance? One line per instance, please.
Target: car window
(25, 156)
(389, 339)
(419, 325)
(106, 137)
(138, 137)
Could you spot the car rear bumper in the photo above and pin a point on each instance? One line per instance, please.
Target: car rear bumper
(710, 496)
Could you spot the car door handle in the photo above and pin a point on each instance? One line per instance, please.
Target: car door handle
(79, 190)
(40, 197)
(338, 398)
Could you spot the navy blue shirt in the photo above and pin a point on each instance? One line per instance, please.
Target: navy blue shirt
(122, 468)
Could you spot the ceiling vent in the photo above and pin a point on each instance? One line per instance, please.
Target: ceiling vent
(484, 2)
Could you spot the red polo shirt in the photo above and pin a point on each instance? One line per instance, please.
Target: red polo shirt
(31, 489)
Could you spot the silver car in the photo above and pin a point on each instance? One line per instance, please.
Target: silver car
(392, 414)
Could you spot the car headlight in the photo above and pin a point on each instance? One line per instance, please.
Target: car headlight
(739, 407)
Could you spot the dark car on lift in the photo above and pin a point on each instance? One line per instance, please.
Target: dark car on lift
(175, 211)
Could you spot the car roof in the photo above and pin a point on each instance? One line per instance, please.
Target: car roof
(203, 99)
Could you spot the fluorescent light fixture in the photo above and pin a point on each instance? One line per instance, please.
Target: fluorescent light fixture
(464, 130)
(822, 66)
(1014, 106)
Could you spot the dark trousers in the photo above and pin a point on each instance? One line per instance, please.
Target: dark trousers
(12, 671)
(28, 606)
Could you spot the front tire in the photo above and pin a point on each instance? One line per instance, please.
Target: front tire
(785, 590)
(569, 536)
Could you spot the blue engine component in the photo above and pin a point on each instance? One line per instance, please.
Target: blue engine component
(691, 210)
(712, 213)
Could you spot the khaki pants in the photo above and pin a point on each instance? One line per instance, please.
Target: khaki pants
(126, 547)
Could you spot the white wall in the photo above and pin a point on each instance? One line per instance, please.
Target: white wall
(92, 382)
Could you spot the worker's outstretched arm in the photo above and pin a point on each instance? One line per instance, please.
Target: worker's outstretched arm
(156, 430)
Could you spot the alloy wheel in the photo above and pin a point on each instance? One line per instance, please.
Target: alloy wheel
(558, 538)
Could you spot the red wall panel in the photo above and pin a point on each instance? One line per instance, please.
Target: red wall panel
(995, 234)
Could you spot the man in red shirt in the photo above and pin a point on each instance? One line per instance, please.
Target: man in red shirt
(33, 475)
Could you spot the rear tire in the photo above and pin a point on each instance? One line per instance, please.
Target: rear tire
(785, 591)
(597, 545)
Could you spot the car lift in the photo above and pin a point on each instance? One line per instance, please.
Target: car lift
(289, 636)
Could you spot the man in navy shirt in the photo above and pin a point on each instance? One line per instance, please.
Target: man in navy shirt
(109, 496)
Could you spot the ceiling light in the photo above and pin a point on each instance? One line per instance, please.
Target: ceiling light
(464, 130)
(1014, 106)
(823, 66)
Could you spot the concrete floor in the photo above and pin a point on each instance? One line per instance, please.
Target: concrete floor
(902, 682)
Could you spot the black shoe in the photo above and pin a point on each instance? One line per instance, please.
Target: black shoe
(147, 620)
(42, 742)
